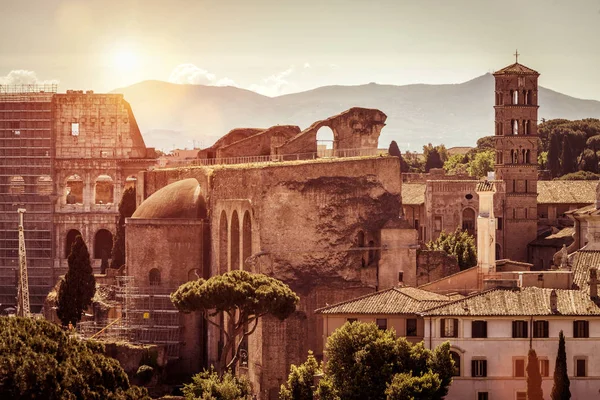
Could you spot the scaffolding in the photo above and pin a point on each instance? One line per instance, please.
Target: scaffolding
(147, 316)
(26, 171)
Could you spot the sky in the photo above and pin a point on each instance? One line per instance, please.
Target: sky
(276, 47)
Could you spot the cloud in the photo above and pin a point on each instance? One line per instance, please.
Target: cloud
(23, 77)
(190, 74)
(225, 82)
(306, 65)
(274, 85)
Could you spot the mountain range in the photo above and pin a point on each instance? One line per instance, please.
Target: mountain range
(179, 116)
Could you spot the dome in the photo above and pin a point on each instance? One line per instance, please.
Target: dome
(179, 200)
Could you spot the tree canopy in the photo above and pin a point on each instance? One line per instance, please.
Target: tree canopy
(364, 362)
(241, 296)
(299, 385)
(458, 244)
(40, 361)
(127, 207)
(208, 385)
(77, 289)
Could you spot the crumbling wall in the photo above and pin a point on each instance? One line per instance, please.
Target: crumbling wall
(259, 144)
(433, 265)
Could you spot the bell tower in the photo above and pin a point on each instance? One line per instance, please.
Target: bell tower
(516, 110)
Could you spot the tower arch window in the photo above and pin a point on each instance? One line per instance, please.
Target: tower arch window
(154, 277)
(515, 97)
(515, 127)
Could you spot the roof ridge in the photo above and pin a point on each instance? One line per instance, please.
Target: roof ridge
(464, 298)
(355, 299)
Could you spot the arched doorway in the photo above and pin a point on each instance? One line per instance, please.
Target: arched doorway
(103, 242)
(154, 277)
(223, 241)
(456, 358)
(235, 241)
(468, 221)
(325, 142)
(71, 235)
(246, 239)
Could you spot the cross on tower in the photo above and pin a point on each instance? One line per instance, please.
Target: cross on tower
(517, 56)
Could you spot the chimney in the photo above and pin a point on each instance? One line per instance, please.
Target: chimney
(553, 302)
(593, 283)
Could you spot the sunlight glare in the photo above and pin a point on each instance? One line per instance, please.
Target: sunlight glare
(125, 60)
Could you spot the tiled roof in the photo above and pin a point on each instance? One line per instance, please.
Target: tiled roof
(413, 194)
(565, 236)
(485, 186)
(582, 261)
(526, 301)
(462, 150)
(587, 210)
(570, 192)
(398, 300)
(516, 69)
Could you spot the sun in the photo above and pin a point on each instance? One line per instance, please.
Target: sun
(125, 60)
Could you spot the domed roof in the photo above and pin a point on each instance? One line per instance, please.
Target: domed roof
(179, 200)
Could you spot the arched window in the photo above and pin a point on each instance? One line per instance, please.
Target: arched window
(154, 277)
(223, 241)
(74, 190)
(456, 358)
(235, 241)
(44, 185)
(103, 242)
(516, 97)
(71, 235)
(325, 142)
(104, 192)
(246, 238)
(515, 127)
(468, 220)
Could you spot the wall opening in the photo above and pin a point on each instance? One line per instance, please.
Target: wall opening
(325, 142)
(75, 129)
(44, 185)
(515, 127)
(498, 252)
(246, 239)
(103, 242)
(104, 190)
(16, 185)
(360, 242)
(74, 190)
(130, 182)
(154, 277)
(456, 358)
(468, 220)
(223, 240)
(235, 241)
(71, 235)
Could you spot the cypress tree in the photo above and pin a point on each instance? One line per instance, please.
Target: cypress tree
(568, 160)
(560, 390)
(127, 207)
(434, 160)
(394, 150)
(77, 288)
(534, 378)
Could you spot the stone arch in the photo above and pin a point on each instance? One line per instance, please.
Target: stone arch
(468, 220)
(16, 185)
(69, 240)
(74, 189)
(325, 141)
(44, 185)
(154, 277)
(457, 364)
(235, 241)
(223, 242)
(246, 238)
(130, 182)
(104, 190)
(103, 241)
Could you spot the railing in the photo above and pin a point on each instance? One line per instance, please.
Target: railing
(324, 153)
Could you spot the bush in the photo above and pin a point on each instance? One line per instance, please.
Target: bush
(144, 374)
(208, 386)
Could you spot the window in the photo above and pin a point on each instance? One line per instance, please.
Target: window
(581, 329)
(478, 368)
(437, 223)
(540, 329)
(521, 395)
(449, 327)
(519, 329)
(544, 367)
(479, 329)
(519, 368)
(381, 323)
(580, 366)
(483, 396)
(351, 320)
(499, 223)
(411, 327)
(75, 129)
(456, 358)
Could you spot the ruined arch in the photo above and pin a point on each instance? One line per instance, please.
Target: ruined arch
(246, 238)
(74, 190)
(103, 241)
(223, 241)
(154, 277)
(70, 239)
(44, 185)
(16, 185)
(325, 141)
(468, 220)
(235, 241)
(104, 189)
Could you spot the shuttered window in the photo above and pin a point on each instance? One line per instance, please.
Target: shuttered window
(478, 368)
(581, 329)
(540, 329)
(449, 327)
(519, 329)
(479, 329)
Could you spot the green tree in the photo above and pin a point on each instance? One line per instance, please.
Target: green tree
(362, 361)
(240, 296)
(208, 385)
(433, 159)
(458, 244)
(482, 163)
(534, 378)
(127, 207)
(560, 389)
(394, 150)
(543, 159)
(38, 360)
(77, 288)
(457, 165)
(405, 386)
(300, 380)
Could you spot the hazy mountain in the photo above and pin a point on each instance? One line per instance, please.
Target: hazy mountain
(456, 115)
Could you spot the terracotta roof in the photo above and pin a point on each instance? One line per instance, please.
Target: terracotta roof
(398, 300)
(569, 192)
(587, 210)
(582, 261)
(526, 301)
(516, 69)
(413, 194)
(485, 186)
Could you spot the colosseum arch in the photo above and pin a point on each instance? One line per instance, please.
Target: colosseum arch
(74, 190)
(103, 242)
(104, 190)
(70, 239)
(246, 239)
(223, 242)
(235, 241)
